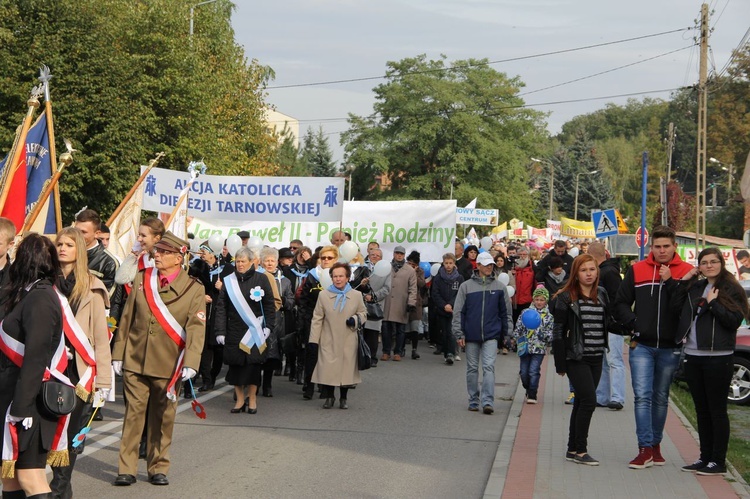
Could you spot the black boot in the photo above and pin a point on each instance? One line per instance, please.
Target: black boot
(288, 369)
(142, 450)
(46, 495)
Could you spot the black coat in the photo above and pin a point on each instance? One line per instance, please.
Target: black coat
(567, 333)
(103, 265)
(444, 290)
(465, 268)
(36, 321)
(306, 298)
(716, 327)
(542, 266)
(229, 323)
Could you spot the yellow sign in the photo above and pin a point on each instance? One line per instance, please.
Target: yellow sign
(501, 228)
(621, 227)
(576, 228)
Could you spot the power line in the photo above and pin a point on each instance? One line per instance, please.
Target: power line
(465, 66)
(516, 106)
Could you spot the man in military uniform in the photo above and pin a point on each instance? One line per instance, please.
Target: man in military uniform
(158, 346)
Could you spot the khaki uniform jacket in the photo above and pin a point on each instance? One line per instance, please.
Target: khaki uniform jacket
(337, 342)
(403, 293)
(142, 344)
(92, 318)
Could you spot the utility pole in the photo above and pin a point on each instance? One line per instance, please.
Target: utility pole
(663, 197)
(700, 177)
(670, 148)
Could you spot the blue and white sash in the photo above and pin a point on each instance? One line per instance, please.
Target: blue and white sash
(256, 334)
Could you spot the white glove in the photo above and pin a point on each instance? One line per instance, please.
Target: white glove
(220, 339)
(25, 422)
(103, 393)
(188, 373)
(266, 332)
(69, 353)
(117, 366)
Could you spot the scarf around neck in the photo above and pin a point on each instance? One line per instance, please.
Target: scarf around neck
(340, 301)
(557, 278)
(397, 265)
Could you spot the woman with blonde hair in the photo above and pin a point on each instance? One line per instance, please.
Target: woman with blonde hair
(88, 299)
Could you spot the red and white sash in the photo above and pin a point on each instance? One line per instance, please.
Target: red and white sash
(81, 345)
(58, 454)
(145, 261)
(167, 321)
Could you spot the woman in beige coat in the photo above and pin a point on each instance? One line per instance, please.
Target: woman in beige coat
(88, 299)
(339, 312)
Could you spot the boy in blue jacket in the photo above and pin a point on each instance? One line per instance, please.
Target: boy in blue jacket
(481, 315)
(537, 340)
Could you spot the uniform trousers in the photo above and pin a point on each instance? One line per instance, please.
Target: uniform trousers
(146, 403)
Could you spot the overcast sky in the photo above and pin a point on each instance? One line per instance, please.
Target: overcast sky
(307, 41)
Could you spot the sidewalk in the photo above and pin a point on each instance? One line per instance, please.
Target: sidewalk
(530, 462)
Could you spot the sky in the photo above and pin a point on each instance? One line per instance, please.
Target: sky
(308, 41)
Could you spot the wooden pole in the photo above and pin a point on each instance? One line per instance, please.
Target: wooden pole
(53, 165)
(177, 207)
(20, 148)
(132, 190)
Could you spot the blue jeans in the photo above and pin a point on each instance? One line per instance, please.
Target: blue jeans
(612, 383)
(488, 352)
(651, 370)
(388, 329)
(531, 369)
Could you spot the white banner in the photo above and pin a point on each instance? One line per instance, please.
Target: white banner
(556, 227)
(239, 199)
(426, 226)
(474, 216)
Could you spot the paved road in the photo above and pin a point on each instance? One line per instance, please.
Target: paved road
(407, 433)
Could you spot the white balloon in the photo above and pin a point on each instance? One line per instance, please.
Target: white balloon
(574, 251)
(511, 291)
(234, 242)
(348, 250)
(382, 268)
(434, 269)
(216, 242)
(343, 260)
(325, 278)
(486, 243)
(194, 245)
(255, 243)
(504, 278)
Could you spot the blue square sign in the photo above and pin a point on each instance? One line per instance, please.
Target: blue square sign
(605, 223)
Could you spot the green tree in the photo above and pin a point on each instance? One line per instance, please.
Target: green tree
(316, 154)
(434, 121)
(129, 82)
(574, 164)
(288, 157)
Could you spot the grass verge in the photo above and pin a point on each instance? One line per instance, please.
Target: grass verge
(739, 421)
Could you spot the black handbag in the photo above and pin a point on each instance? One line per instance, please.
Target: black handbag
(56, 399)
(374, 311)
(364, 358)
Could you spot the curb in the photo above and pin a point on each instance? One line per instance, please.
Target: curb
(499, 471)
(738, 483)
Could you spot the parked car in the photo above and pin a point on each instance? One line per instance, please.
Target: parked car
(739, 387)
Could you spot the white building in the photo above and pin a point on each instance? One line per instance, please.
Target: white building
(277, 122)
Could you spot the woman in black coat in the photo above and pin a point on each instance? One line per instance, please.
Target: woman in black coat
(711, 311)
(32, 316)
(244, 368)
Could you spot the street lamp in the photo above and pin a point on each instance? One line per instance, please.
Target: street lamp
(575, 205)
(192, 15)
(452, 179)
(730, 172)
(551, 181)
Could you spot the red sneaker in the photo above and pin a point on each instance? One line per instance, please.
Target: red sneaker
(657, 457)
(644, 459)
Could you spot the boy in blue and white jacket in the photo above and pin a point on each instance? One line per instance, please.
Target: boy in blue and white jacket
(481, 315)
(537, 341)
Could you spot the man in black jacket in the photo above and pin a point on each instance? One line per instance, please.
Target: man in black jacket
(462, 263)
(101, 263)
(611, 390)
(560, 250)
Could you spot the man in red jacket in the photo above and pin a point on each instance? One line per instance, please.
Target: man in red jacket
(654, 355)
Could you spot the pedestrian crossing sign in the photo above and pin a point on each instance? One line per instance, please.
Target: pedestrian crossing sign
(605, 223)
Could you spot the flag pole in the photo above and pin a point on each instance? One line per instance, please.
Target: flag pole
(20, 148)
(135, 187)
(44, 78)
(196, 168)
(66, 159)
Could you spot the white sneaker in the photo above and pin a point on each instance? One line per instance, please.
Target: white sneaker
(457, 357)
(531, 401)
